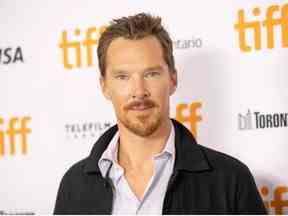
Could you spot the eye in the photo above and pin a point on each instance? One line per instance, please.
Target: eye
(122, 77)
(152, 74)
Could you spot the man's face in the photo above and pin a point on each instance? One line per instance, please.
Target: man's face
(138, 83)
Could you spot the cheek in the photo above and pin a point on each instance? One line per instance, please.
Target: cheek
(161, 91)
(119, 98)
(119, 90)
(161, 96)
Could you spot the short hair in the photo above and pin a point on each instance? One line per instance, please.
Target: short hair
(135, 27)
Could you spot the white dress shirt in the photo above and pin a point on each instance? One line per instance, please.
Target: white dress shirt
(124, 199)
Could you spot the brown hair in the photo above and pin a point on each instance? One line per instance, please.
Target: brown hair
(133, 28)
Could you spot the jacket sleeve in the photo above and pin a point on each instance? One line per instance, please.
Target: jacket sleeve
(62, 197)
(248, 198)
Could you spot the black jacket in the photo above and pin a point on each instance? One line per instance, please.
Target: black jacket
(204, 181)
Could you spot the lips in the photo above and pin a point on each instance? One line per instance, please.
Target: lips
(140, 107)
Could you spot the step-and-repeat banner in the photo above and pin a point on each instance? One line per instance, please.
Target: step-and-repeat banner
(232, 61)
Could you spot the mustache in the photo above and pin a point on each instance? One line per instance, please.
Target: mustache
(146, 102)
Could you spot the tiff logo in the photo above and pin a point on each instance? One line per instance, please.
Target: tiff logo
(188, 113)
(278, 202)
(72, 49)
(16, 128)
(268, 26)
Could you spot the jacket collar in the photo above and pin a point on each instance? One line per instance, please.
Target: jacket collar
(189, 155)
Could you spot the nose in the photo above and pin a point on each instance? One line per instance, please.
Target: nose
(139, 88)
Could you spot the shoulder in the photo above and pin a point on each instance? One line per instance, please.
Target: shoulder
(234, 176)
(76, 168)
(222, 162)
(75, 174)
(77, 180)
(77, 189)
(215, 161)
(231, 174)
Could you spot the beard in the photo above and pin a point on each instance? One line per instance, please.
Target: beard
(144, 123)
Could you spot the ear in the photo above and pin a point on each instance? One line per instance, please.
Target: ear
(173, 82)
(104, 88)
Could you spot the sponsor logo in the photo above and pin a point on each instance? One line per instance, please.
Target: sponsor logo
(10, 55)
(79, 50)
(275, 16)
(257, 120)
(16, 129)
(188, 43)
(275, 200)
(188, 115)
(85, 130)
(16, 212)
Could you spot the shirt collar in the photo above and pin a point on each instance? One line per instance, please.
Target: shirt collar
(170, 144)
(110, 155)
(112, 150)
(189, 156)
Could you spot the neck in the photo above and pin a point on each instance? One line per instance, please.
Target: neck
(137, 151)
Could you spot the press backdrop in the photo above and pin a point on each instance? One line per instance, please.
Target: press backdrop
(232, 65)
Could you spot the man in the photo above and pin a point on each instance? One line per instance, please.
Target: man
(149, 163)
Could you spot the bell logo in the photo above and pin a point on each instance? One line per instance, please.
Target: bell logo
(279, 202)
(245, 121)
(76, 47)
(16, 127)
(268, 24)
(191, 116)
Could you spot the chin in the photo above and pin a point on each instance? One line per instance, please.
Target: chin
(143, 126)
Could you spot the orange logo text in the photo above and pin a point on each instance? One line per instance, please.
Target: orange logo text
(188, 114)
(12, 130)
(275, 16)
(278, 201)
(76, 50)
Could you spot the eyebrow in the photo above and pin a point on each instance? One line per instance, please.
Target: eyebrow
(153, 68)
(115, 72)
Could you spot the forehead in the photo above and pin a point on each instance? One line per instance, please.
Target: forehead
(137, 54)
